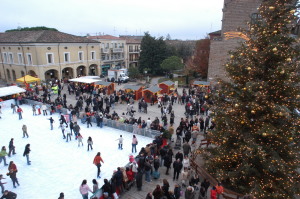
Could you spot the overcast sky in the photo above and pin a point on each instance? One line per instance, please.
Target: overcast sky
(187, 19)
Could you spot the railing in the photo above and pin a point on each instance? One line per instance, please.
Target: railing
(228, 194)
(117, 50)
(104, 50)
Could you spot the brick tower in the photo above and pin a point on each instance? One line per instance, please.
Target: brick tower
(236, 14)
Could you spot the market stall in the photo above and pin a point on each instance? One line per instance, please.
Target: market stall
(10, 92)
(202, 84)
(136, 90)
(28, 79)
(86, 79)
(167, 87)
(153, 91)
(108, 86)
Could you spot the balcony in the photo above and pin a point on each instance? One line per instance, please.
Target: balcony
(104, 50)
(134, 51)
(117, 50)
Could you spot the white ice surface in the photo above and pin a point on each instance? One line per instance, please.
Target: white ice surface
(56, 165)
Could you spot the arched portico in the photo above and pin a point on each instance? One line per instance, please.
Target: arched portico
(32, 73)
(51, 74)
(81, 71)
(93, 70)
(67, 73)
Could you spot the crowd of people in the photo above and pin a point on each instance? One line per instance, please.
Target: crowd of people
(93, 104)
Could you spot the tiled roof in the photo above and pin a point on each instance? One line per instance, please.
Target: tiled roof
(42, 36)
(131, 40)
(132, 87)
(215, 33)
(153, 89)
(105, 37)
(168, 82)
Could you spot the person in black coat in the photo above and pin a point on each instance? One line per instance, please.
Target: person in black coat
(139, 179)
(188, 136)
(106, 188)
(26, 153)
(179, 155)
(119, 179)
(9, 195)
(167, 162)
(177, 165)
(156, 163)
(63, 120)
(11, 147)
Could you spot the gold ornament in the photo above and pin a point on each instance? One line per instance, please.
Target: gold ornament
(252, 29)
(249, 68)
(264, 32)
(271, 8)
(275, 31)
(242, 122)
(231, 56)
(253, 112)
(289, 59)
(292, 11)
(242, 54)
(280, 114)
(298, 96)
(264, 134)
(236, 105)
(274, 49)
(206, 96)
(260, 87)
(244, 88)
(291, 138)
(282, 72)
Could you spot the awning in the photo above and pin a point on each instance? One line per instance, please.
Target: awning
(153, 89)
(201, 83)
(28, 79)
(11, 90)
(105, 66)
(87, 80)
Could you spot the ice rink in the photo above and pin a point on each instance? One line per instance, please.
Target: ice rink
(56, 165)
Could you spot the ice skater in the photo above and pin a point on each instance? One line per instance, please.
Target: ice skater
(26, 153)
(12, 169)
(33, 110)
(62, 126)
(44, 108)
(97, 162)
(19, 111)
(2, 184)
(11, 147)
(68, 135)
(79, 137)
(134, 143)
(63, 120)
(24, 129)
(3, 153)
(51, 122)
(90, 143)
(120, 139)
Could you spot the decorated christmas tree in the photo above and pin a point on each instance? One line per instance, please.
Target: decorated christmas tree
(256, 140)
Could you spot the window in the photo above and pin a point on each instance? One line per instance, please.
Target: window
(20, 58)
(67, 57)
(22, 73)
(50, 58)
(29, 59)
(107, 45)
(103, 57)
(255, 18)
(11, 58)
(93, 55)
(8, 74)
(80, 56)
(5, 58)
(116, 45)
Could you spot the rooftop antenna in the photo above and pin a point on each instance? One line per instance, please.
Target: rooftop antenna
(114, 31)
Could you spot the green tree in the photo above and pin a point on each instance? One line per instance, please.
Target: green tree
(256, 137)
(32, 29)
(153, 52)
(133, 72)
(171, 63)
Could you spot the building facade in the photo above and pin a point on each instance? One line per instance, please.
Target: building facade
(113, 52)
(133, 48)
(236, 14)
(47, 55)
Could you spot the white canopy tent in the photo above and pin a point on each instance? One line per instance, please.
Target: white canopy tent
(86, 79)
(10, 90)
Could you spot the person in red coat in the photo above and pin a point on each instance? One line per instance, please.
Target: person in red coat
(213, 193)
(129, 174)
(97, 162)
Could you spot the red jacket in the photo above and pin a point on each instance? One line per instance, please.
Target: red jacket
(97, 160)
(129, 175)
(213, 194)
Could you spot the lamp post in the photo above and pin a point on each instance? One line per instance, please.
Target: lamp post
(146, 75)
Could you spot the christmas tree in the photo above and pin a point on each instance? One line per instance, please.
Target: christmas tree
(256, 139)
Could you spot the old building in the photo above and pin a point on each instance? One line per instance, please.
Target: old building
(236, 14)
(133, 46)
(47, 54)
(112, 52)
